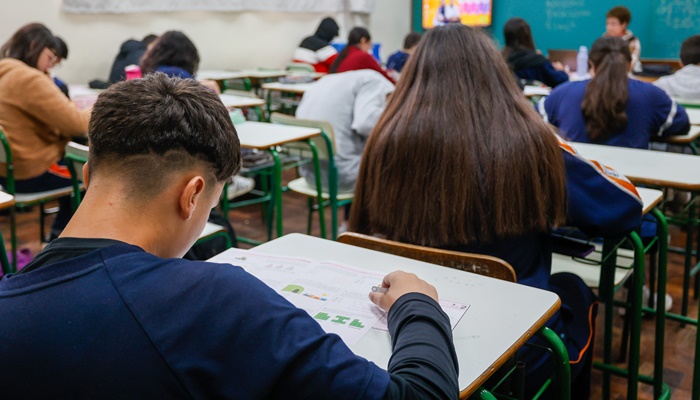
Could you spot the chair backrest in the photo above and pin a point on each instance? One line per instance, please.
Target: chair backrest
(301, 67)
(6, 157)
(76, 156)
(322, 142)
(479, 264)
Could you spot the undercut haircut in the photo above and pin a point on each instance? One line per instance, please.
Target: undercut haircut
(146, 129)
(690, 50)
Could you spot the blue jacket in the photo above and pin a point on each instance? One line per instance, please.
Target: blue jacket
(650, 113)
(119, 323)
(396, 61)
(532, 66)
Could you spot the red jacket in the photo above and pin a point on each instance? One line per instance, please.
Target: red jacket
(357, 59)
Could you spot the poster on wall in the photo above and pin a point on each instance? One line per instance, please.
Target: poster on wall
(467, 12)
(136, 6)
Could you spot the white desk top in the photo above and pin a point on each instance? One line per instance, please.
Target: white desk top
(233, 101)
(83, 96)
(501, 318)
(690, 137)
(6, 200)
(673, 170)
(531, 91)
(222, 75)
(693, 115)
(650, 198)
(687, 102)
(262, 135)
(297, 88)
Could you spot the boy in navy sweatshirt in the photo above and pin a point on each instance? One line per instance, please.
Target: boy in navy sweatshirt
(109, 310)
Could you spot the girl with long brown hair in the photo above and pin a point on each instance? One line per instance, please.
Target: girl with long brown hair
(460, 160)
(611, 108)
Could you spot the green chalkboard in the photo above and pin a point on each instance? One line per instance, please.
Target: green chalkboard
(661, 25)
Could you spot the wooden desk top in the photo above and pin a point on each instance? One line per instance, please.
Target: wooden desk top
(688, 138)
(262, 135)
(502, 315)
(673, 170)
(233, 101)
(6, 200)
(296, 88)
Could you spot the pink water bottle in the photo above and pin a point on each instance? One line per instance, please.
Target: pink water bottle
(133, 72)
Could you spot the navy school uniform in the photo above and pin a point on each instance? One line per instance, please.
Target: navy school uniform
(98, 318)
(532, 66)
(650, 113)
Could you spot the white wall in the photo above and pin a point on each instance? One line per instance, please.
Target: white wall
(224, 40)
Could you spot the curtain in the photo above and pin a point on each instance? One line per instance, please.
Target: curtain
(136, 6)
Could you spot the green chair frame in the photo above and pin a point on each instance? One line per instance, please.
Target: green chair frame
(6, 157)
(323, 149)
(262, 117)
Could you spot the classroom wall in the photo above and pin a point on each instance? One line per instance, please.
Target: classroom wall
(224, 40)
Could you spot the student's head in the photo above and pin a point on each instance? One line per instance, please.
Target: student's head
(166, 142)
(358, 37)
(410, 42)
(327, 29)
(33, 44)
(459, 154)
(690, 51)
(606, 95)
(617, 20)
(61, 49)
(518, 35)
(172, 49)
(149, 39)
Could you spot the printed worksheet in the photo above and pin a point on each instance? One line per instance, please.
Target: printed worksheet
(334, 294)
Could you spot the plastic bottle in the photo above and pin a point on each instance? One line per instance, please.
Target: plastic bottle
(133, 72)
(582, 61)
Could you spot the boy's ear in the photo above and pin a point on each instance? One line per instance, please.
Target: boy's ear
(190, 196)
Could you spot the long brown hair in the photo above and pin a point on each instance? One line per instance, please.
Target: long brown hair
(27, 44)
(459, 155)
(518, 36)
(606, 95)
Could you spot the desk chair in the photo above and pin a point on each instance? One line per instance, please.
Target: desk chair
(300, 67)
(23, 200)
(242, 93)
(325, 149)
(76, 157)
(6, 201)
(479, 264)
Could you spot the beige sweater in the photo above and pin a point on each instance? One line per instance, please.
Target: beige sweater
(37, 118)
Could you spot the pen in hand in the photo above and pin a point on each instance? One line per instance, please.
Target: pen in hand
(379, 289)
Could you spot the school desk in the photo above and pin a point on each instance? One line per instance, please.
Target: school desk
(294, 89)
(689, 139)
(666, 170)
(606, 269)
(502, 315)
(693, 115)
(265, 136)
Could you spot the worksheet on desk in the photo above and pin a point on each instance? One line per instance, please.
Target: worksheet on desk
(334, 294)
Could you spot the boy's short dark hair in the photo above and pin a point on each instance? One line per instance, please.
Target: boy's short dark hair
(690, 50)
(411, 40)
(145, 129)
(148, 39)
(622, 13)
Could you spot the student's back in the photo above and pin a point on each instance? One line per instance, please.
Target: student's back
(685, 83)
(611, 108)
(352, 102)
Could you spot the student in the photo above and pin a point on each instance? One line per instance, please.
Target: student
(352, 102)
(62, 54)
(685, 83)
(610, 108)
(36, 117)
(524, 60)
(355, 54)
(460, 160)
(130, 53)
(397, 60)
(316, 50)
(616, 22)
(109, 310)
(175, 55)
(447, 14)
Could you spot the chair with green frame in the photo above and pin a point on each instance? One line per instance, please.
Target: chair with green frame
(6, 201)
(483, 265)
(300, 68)
(77, 155)
(324, 146)
(25, 200)
(242, 93)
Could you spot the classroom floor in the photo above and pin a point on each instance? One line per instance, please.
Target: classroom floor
(679, 350)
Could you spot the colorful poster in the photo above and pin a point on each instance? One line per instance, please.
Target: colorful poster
(467, 12)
